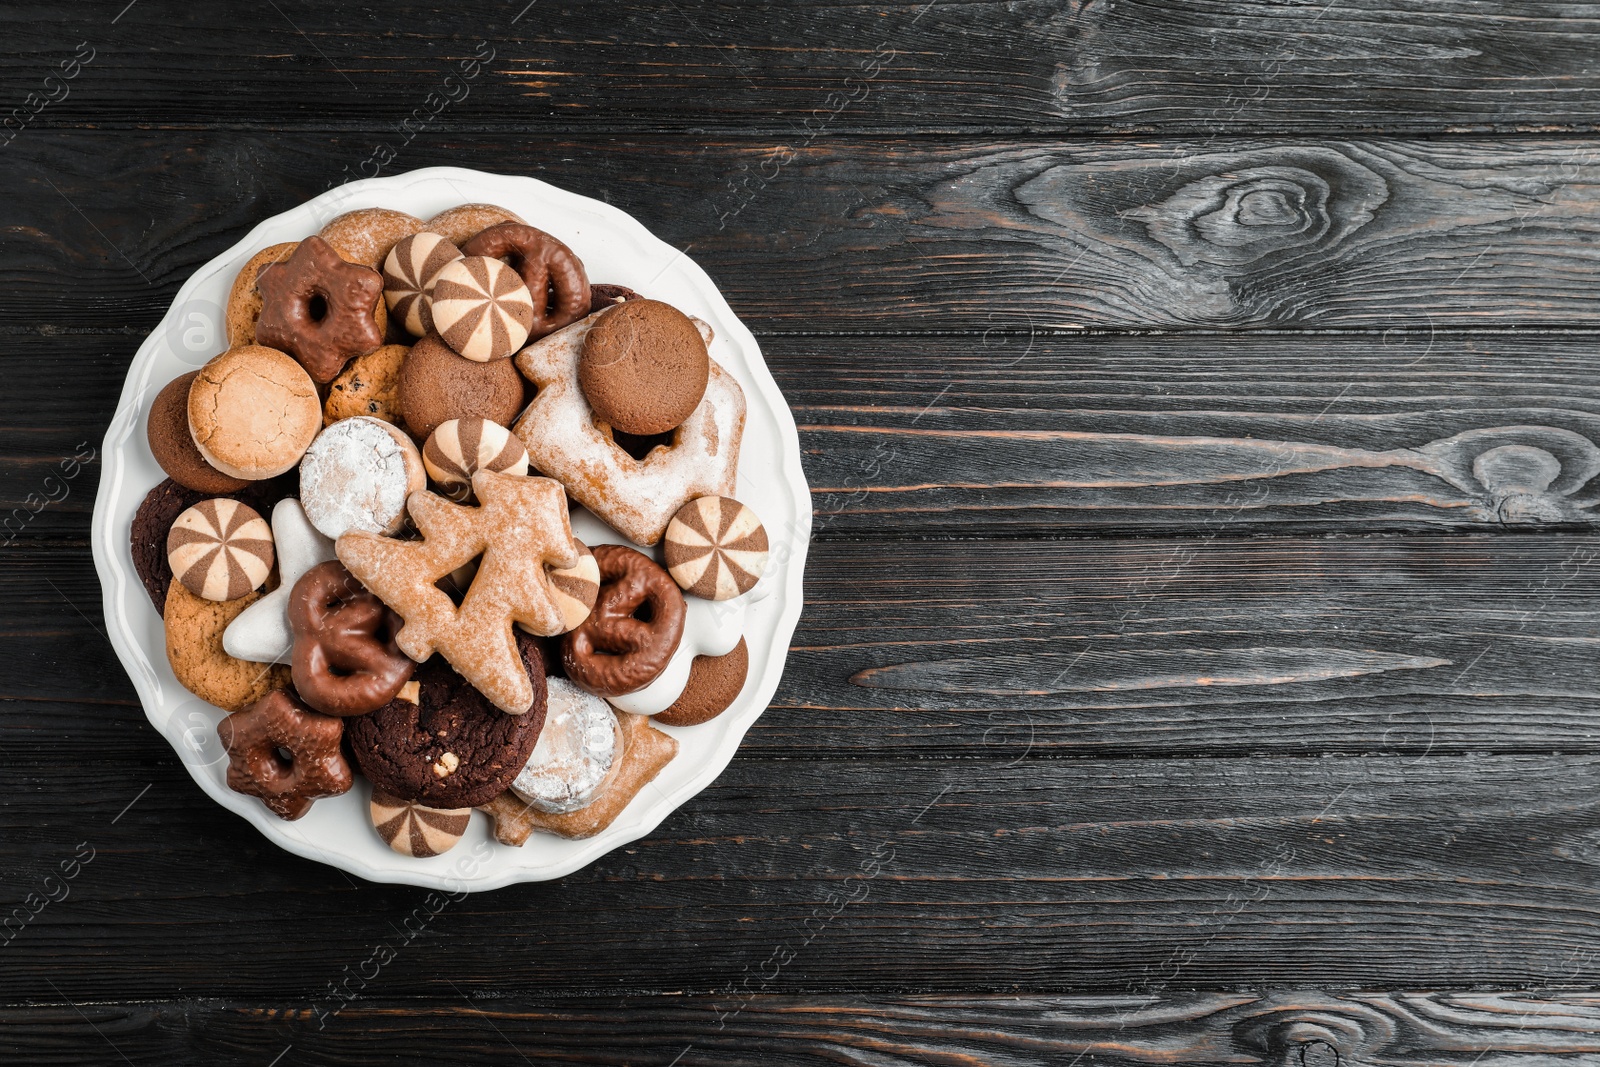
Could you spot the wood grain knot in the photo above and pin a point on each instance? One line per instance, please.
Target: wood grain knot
(1229, 213)
(1313, 1031)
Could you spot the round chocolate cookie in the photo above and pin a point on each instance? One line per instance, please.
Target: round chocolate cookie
(162, 506)
(452, 749)
(173, 445)
(436, 385)
(644, 367)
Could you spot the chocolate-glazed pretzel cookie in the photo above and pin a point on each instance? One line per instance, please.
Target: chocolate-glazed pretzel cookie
(345, 659)
(554, 275)
(284, 753)
(615, 650)
(319, 309)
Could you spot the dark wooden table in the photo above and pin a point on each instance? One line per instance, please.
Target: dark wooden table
(1199, 656)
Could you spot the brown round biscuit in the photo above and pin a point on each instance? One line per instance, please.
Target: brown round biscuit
(461, 224)
(437, 385)
(365, 235)
(451, 748)
(369, 385)
(173, 445)
(714, 684)
(194, 628)
(253, 411)
(161, 507)
(644, 367)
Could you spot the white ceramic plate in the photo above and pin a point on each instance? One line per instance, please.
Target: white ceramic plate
(615, 248)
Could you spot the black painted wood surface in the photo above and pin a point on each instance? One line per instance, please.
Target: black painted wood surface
(1198, 664)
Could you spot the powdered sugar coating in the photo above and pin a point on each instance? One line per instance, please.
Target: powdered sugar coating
(356, 476)
(636, 497)
(576, 751)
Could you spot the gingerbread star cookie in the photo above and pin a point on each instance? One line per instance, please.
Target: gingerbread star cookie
(521, 526)
(637, 497)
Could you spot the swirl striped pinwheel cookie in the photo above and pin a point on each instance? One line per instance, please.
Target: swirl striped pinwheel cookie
(220, 549)
(716, 548)
(480, 307)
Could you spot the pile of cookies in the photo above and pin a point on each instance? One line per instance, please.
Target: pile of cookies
(363, 552)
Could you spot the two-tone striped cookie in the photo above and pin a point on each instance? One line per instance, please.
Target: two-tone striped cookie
(460, 448)
(414, 830)
(409, 272)
(715, 548)
(575, 588)
(480, 307)
(220, 549)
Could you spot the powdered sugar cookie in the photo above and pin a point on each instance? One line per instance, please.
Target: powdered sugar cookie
(576, 753)
(357, 475)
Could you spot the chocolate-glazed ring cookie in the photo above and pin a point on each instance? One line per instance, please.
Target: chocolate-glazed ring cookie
(345, 659)
(453, 748)
(284, 753)
(614, 651)
(554, 275)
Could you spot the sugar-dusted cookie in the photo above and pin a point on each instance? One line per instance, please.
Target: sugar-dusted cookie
(635, 497)
(714, 684)
(715, 548)
(284, 753)
(357, 475)
(244, 300)
(554, 275)
(409, 272)
(366, 235)
(194, 629)
(576, 753)
(460, 224)
(437, 385)
(645, 751)
(320, 309)
(643, 367)
(460, 448)
(253, 411)
(480, 308)
(262, 631)
(413, 829)
(450, 748)
(520, 527)
(220, 549)
(368, 385)
(173, 446)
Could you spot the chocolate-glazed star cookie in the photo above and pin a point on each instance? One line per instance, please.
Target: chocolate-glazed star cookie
(319, 309)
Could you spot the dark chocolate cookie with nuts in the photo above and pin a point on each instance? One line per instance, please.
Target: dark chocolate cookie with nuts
(451, 747)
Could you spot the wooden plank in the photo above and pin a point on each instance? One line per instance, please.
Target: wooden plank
(1228, 645)
(940, 876)
(1309, 1027)
(921, 235)
(1044, 436)
(1197, 65)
